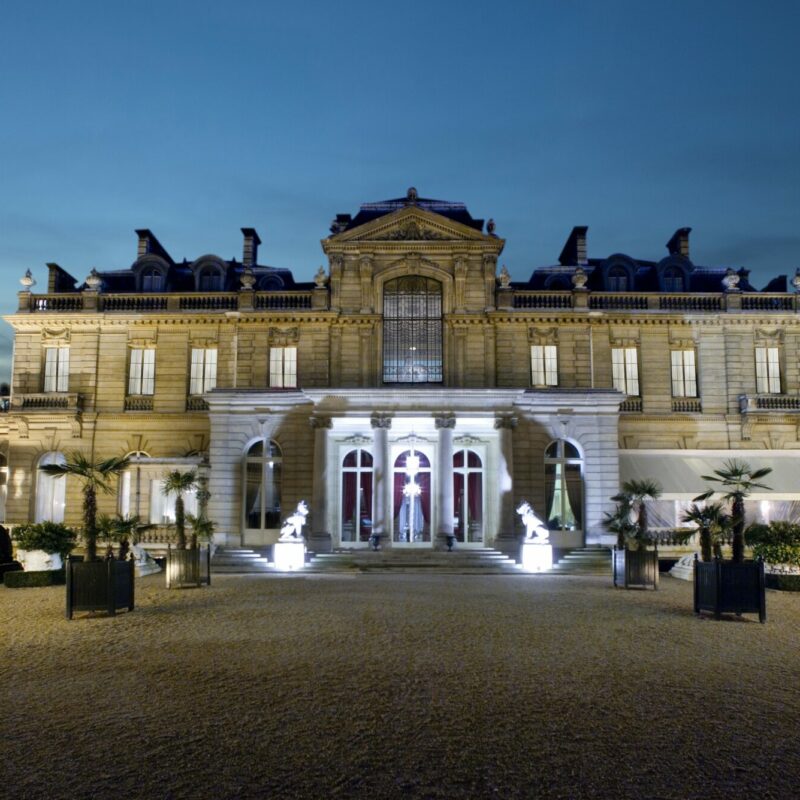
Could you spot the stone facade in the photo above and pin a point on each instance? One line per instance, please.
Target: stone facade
(336, 398)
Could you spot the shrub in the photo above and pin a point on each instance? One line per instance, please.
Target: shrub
(777, 543)
(22, 580)
(51, 537)
(783, 583)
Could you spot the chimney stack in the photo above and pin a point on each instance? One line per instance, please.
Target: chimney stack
(574, 252)
(149, 244)
(678, 245)
(251, 243)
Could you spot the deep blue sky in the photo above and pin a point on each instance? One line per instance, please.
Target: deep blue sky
(198, 118)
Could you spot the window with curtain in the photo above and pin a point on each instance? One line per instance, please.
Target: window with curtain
(684, 373)
(152, 280)
(357, 496)
(283, 367)
(262, 486)
(468, 496)
(544, 365)
(203, 377)
(412, 330)
(142, 371)
(412, 510)
(56, 369)
(50, 491)
(625, 369)
(162, 507)
(563, 473)
(768, 370)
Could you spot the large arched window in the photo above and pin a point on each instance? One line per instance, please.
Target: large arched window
(50, 491)
(412, 497)
(262, 486)
(468, 496)
(412, 330)
(357, 496)
(563, 475)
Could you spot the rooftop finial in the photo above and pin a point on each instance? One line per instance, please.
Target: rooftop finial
(411, 195)
(27, 281)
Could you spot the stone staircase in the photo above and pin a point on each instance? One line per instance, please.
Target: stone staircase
(240, 561)
(482, 561)
(594, 560)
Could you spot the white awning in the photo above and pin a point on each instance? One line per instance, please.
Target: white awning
(680, 473)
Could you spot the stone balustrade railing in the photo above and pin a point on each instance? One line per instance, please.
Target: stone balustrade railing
(46, 401)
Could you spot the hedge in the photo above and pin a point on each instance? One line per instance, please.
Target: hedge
(784, 583)
(21, 580)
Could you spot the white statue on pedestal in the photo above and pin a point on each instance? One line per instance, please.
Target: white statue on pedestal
(292, 528)
(535, 530)
(143, 563)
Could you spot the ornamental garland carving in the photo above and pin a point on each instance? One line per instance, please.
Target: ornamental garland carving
(543, 335)
(411, 231)
(284, 336)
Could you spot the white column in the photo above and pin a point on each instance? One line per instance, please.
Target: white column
(381, 477)
(444, 479)
(506, 539)
(320, 540)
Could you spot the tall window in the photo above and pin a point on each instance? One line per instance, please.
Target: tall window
(56, 369)
(412, 497)
(162, 506)
(563, 477)
(768, 370)
(142, 374)
(262, 486)
(152, 280)
(283, 367)
(357, 496)
(625, 369)
(412, 330)
(544, 365)
(50, 490)
(468, 496)
(684, 373)
(203, 376)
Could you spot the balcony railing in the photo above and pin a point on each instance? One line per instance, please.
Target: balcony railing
(686, 405)
(545, 300)
(783, 403)
(631, 405)
(138, 402)
(196, 404)
(47, 401)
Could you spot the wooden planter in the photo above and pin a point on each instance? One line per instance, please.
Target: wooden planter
(635, 568)
(725, 587)
(188, 568)
(99, 586)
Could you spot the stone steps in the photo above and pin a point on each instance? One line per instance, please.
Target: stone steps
(584, 561)
(240, 561)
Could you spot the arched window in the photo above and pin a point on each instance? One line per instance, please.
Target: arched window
(357, 496)
(3, 486)
(152, 280)
(412, 497)
(468, 496)
(50, 490)
(617, 279)
(672, 280)
(262, 486)
(412, 330)
(563, 477)
(209, 280)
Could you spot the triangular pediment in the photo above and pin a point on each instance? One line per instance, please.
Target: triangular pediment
(410, 225)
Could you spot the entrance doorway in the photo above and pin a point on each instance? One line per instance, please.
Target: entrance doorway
(411, 499)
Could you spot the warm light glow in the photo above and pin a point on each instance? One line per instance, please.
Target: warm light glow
(289, 556)
(537, 557)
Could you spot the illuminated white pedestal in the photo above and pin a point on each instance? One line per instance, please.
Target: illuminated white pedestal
(537, 557)
(289, 556)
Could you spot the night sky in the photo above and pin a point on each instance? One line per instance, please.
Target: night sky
(197, 118)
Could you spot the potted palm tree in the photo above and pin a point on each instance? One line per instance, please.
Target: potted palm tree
(712, 522)
(736, 586)
(94, 585)
(183, 565)
(632, 563)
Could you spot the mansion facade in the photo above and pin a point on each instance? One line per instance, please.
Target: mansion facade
(412, 358)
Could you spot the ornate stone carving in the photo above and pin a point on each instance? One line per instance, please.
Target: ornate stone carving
(381, 421)
(445, 421)
(27, 281)
(411, 230)
(731, 281)
(319, 421)
(320, 279)
(283, 336)
(579, 278)
(247, 279)
(93, 281)
(507, 421)
(504, 278)
(796, 281)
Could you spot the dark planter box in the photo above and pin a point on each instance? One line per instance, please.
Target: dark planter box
(188, 568)
(635, 568)
(99, 586)
(725, 587)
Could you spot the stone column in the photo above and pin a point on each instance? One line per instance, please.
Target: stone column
(381, 477)
(444, 479)
(506, 539)
(320, 540)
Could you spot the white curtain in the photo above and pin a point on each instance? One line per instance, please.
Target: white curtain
(50, 491)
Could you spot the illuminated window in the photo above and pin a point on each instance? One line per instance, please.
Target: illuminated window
(357, 496)
(544, 365)
(203, 376)
(142, 372)
(563, 474)
(162, 506)
(468, 496)
(283, 367)
(50, 490)
(412, 330)
(768, 370)
(625, 370)
(684, 373)
(412, 497)
(262, 486)
(56, 369)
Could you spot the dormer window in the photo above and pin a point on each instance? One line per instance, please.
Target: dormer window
(210, 280)
(152, 280)
(617, 280)
(672, 280)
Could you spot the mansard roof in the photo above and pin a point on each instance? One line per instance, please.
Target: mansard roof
(370, 211)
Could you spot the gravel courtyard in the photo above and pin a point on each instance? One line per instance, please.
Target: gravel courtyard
(399, 686)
